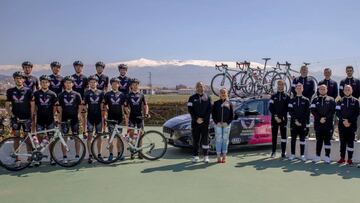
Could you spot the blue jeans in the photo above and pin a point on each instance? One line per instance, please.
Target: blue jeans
(222, 139)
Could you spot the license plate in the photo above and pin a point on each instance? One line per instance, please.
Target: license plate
(236, 140)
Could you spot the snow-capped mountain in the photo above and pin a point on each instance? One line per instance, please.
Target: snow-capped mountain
(165, 73)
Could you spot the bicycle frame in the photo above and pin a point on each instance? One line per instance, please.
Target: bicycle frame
(57, 133)
(118, 130)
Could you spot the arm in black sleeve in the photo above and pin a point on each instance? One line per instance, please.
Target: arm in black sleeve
(293, 87)
(231, 114)
(271, 105)
(341, 89)
(336, 90)
(307, 112)
(214, 113)
(314, 111)
(312, 88)
(191, 108)
(354, 117)
(208, 112)
(330, 113)
(338, 110)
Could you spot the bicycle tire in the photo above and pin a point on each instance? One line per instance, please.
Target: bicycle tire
(237, 86)
(162, 142)
(53, 146)
(287, 80)
(94, 150)
(6, 159)
(228, 87)
(249, 88)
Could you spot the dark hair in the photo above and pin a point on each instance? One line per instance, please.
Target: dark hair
(350, 67)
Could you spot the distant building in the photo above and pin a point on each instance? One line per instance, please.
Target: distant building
(147, 90)
(186, 91)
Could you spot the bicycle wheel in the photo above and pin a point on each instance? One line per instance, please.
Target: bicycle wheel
(70, 155)
(154, 145)
(15, 158)
(248, 83)
(285, 78)
(220, 81)
(237, 86)
(101, 148)
(268, 88)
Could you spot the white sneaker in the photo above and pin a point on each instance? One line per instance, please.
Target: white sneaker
(273, 155)
(292, 157)
(65, 161)
(316, 159)
(327, 160)
(195, 159)
(206, 159)
(303, 158)
(358, 165)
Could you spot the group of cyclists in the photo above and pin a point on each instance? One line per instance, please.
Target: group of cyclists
(39, 104)
(328, 102)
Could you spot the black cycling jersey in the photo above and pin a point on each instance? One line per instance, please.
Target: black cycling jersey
(93, 100)
(354, 83)
(69, 102)
(56, 84)
(80, 83)
(103, 81)
(45, 102)
(135, 101)
(309, 86)
(125, 83)
(20, 101)
(332, 87)
(31, 82)
(114, 101)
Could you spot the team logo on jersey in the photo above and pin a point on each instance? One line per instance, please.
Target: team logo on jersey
(123, 86)
(101, 84)
(69, 102)
(115, 100)
(55, 85)
(29, 83)
(135, 102)
(18, 100)
(94, 101)
(44, 102)
(78, 85)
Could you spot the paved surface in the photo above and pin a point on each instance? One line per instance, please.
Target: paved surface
(248, 176)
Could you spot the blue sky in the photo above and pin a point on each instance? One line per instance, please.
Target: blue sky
(42, 31)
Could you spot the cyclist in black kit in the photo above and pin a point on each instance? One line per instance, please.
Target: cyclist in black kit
(102, 84)
(56, 82)
(19, 106)
(80, 85)
(69, 102)
(31, 81)
(103, 80)
(137, 106)
(45, 100)
(114, 104)
(125, 81)
(350, 80)
(93, 99)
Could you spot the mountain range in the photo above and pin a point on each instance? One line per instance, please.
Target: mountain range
(164, 73)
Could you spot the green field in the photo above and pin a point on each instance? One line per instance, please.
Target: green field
(248, 176)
